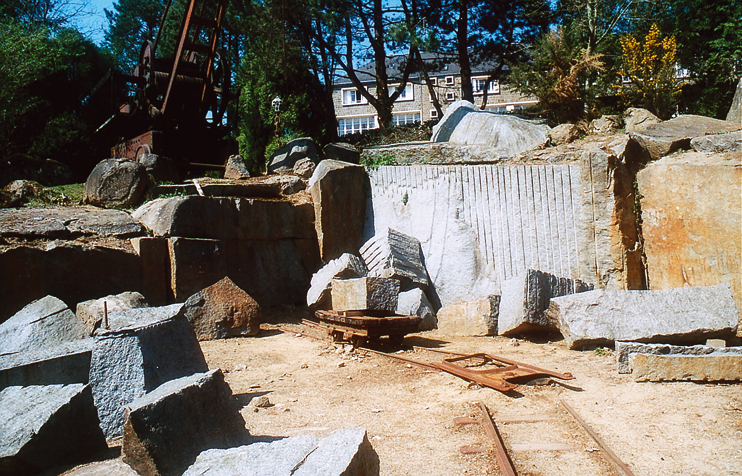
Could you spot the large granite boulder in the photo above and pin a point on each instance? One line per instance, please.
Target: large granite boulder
(470, 318)
(735, 111)
(227, 218)
(369, 293)
(283, 160)
(116, 183)
(526, 297)
(143, 349)
(344, 452)
(662, 139)
(691, 215)
(64, 363)
(507, 136)
(339, 194)
(44, 426)
(67, 222)
(166, 429)
(392, 254)
(18, 192)
(222, 310)
(346, 266)
(93, 312)
(565, 133)
(688, 315)
(46, 322)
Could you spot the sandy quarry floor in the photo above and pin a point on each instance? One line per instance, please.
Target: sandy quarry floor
(408, 412)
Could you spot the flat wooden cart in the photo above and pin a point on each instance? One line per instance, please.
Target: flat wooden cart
(358, 327)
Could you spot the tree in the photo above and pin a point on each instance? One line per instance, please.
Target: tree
(557, 77)
(650, 69)
(130, 24)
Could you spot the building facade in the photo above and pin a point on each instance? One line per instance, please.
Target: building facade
(354, 114)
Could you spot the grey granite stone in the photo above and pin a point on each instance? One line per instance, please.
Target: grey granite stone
(686, 315)
(392, 254)
(346, 266)
(144, 348)
(526, 297)
(45, 426)
(166, 429)
(415, 303)
(624, 350)
(369, 293)
(64, 363)
(344, 452)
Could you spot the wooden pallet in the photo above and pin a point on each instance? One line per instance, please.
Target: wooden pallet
(357, 326)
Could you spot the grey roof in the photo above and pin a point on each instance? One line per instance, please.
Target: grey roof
(437, 64)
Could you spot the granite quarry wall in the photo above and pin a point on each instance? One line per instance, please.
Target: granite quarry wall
(481, 225)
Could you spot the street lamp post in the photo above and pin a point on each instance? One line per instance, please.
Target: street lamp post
(276, 104)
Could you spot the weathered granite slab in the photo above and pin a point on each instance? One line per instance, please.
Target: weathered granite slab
(716, 143)
(65, 363)
(526, 297)
(46, 426)
(686, 315)
(344, 452)
(166, 429)
(93, 312)
(415, 303)
(369, 293)
(144, 348)
(392, 254)
(624, 350)
(470, 318)
(45, 322)
(671, 368)
(67, 222)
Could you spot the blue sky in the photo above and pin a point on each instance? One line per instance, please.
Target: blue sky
(94, 25)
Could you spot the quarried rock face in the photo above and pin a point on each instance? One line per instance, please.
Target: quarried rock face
(57, 364)
(116, 183)
(222, 310)
(43, 426)
(625, 350)
(691, 214)
(339, 195)
(67, 222)
(637, 119)
(28, 272)
(343, 152)
(415, 303)
(698, 368)
(686, 315)
(166, 429)
(142, 350)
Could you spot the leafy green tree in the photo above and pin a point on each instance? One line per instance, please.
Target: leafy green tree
(130, 24)
(557, 76)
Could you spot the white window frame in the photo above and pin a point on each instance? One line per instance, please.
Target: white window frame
(362, 100)
(494, 87)
(344, 130)
(450, 96)
(408, 89)
(450, 81)
(417, 113)
(433, 81)
(433, 113)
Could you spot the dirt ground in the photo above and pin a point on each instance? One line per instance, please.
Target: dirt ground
(316, 386)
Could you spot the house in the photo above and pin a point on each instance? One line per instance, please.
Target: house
(354, 114)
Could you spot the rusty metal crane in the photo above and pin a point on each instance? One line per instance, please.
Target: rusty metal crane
(178, 102)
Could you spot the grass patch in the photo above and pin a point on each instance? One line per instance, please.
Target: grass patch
(60, 195)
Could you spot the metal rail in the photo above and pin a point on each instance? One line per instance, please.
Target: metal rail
(503, 458)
